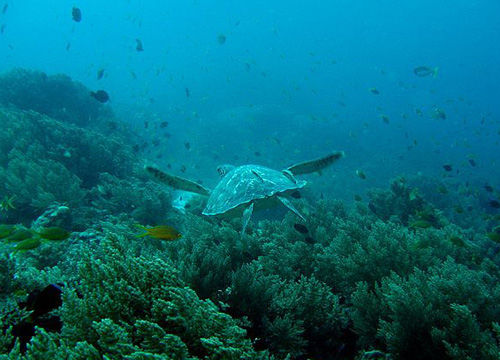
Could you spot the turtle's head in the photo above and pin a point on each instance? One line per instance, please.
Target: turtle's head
(224, 169)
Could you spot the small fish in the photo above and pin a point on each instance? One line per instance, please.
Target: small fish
(146, 124)
(2, 28)
(420, 224)
(309, 240)
(221, 39)
(183, 169)
(361, 174)
(385, 118)
(19, 235)
(458, 209)
(257, 153)
(494, 203)
(163, 124)
(472, 162)
(455, 240)
(6, 230)
(27, 244)
(100, 74)
(41, 302)
(187, 92)
(447, 167)
(301, 228)
(162, 232)
(374, 91)
(187, 145)
(442, 189)
(494, 236)
(100, 95)
(53, 233)
(357, 197)
(423, 71)
(138, 45)
(488, 188)
(5, 7)
(76, 13)
(68, 46)
(439, 114)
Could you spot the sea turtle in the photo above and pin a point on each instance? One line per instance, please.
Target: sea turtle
(243, 188)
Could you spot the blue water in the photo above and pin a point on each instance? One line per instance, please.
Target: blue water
(291, 81)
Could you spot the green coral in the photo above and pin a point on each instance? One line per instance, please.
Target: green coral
(129, 298)
(412, 317)
(38, 184)
(54, 95)
(145, 201)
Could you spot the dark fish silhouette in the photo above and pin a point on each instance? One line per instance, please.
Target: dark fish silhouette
(100, 74)
(447, 167)
(423, 71)
(100, 95)
(5, 7)
(40, 303)
(76, 13)
(494, 204)
(138, 45)
(488, 188)
(221, 39)
(301, 228)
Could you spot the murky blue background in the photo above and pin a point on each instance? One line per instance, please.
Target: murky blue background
(292, 80)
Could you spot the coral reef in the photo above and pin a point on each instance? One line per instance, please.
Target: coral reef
(120, 305)
(396, 278)
(56, 96)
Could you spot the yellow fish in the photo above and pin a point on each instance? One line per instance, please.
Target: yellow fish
(163, 232)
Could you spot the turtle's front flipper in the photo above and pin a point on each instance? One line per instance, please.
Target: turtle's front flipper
(176, 182)
(292, 208)
(247, 214)
(316, 164)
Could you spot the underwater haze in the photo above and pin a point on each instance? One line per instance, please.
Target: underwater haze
(367, 225)
(285, 70)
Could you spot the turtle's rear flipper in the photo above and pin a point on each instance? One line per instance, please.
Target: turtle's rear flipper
(176, 182)
(292, 208)
(247, 214)
(316, 164)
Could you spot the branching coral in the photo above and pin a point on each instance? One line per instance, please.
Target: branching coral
(415, 317)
